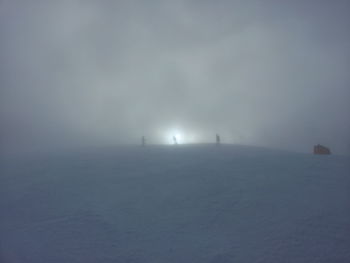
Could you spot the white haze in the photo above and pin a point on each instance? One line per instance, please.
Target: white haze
(269, 73)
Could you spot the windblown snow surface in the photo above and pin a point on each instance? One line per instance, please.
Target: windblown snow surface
(175, 204)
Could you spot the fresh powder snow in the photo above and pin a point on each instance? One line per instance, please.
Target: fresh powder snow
(179, 203)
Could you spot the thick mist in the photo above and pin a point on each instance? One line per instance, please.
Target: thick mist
(91, 73)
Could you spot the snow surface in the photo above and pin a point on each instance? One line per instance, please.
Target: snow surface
(175, 204)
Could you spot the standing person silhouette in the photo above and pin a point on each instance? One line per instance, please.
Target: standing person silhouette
(175, 140)
(217, 139)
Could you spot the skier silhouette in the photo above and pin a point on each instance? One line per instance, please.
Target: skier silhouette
(175, 140)
(143, 141)
(217, 139)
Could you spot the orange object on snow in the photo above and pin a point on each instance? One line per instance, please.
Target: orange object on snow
(320, 149)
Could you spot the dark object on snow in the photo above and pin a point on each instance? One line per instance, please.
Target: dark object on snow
(320, 149)
(143, 141)
(217, 139)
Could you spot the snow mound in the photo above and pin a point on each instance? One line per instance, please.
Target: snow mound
(175, 204)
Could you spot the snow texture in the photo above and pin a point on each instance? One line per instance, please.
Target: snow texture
(197, 203)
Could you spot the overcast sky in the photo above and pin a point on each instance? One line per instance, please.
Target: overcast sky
(270, 73)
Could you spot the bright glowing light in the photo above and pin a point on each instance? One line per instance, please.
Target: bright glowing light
(178, 135)
(182, 136)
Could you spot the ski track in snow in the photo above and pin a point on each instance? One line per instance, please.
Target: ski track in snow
(175, 204)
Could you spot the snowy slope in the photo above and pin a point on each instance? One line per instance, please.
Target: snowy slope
(175, 204)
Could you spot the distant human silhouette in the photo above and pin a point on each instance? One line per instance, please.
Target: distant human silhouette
(175, 140)
(143, 141)
(217, 139)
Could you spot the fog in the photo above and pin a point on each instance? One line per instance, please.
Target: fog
(103, 73)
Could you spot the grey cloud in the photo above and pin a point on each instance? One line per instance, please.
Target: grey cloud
(108, 72)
